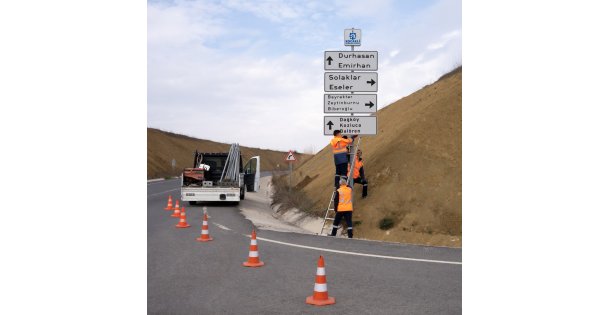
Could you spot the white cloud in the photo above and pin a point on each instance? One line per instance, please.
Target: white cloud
(362, 8)
(211, 78)
(445, 38)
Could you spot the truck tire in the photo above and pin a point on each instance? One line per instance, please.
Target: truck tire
(242, 193)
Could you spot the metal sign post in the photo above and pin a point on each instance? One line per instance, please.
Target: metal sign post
(291, 157)
(290, 170)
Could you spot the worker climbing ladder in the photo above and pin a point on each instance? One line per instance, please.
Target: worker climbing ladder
(330, 207)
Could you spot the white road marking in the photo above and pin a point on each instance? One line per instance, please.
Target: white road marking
(163, 192)
(221, 226)
(358, 254)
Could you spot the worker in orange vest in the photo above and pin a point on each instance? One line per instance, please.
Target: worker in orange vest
(343, 205)
(359, 172)
(339, 146)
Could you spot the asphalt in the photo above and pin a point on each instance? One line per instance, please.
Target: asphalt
(189, 277)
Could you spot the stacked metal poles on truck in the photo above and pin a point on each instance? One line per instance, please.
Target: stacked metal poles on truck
(231, 168)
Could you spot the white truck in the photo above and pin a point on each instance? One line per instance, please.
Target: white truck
(220, 177)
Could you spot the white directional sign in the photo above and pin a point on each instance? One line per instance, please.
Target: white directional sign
(352, 37)
(351, 60)
(350, 125)
(350, 103)
(351, 81)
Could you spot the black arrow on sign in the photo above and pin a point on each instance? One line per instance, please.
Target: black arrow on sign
(370, 104)
(372, 82)
(329, 60)
(330, 124)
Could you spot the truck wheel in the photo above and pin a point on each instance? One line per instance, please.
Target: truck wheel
(242, 193)
(192, 203)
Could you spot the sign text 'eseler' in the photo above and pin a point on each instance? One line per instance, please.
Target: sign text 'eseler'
(350, 125)
(350, 103)
(351, 81)
(351, 60)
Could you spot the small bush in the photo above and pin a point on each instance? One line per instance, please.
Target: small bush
(386, 223)
(357, 223)
(285, 200)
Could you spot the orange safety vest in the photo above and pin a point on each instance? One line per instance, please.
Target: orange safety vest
(338, 145)
(358, 166)
(345, 203)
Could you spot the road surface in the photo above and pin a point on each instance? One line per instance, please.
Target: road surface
(365, 277)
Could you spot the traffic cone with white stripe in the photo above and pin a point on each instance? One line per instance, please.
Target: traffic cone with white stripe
(205, 231)
(320, 296)
(169, 204)
(176, 204)
(176, 212)
(254, 257)
(182, 220)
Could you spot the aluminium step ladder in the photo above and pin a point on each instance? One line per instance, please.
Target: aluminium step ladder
(330, 206)
(330, 209)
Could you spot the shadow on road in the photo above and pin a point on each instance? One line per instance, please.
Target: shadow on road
(219, 204)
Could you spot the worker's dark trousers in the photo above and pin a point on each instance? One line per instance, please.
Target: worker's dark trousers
(363, 182)
(341, 170)
(348, 215)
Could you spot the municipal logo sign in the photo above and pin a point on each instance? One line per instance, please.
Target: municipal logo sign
(352, 37)
(290, 156)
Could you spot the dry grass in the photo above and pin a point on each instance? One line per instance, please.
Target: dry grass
(164, 146)
(413, 166)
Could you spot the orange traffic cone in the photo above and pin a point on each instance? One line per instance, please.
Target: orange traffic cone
(182, 220)
(176, 212)
(254, 257)
(319, 294)
(169, 204)
(205, 231)
(176, 204)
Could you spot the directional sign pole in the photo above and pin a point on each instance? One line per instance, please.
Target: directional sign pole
(351, 181)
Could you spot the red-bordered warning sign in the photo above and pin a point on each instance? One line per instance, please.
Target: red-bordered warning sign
(290, 156)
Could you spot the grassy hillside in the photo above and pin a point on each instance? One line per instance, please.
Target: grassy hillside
(164, 146)
(414, 168)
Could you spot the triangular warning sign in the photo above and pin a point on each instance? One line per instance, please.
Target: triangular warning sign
(290, 156)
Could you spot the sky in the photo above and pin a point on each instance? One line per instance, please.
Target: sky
(252, 71)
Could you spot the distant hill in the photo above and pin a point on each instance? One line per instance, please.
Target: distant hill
(164, 146)
(414, 166)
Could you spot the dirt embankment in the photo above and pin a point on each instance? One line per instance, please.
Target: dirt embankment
(164, 146)
(414, 168)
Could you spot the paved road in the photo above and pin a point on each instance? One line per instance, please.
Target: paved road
(188, 277)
